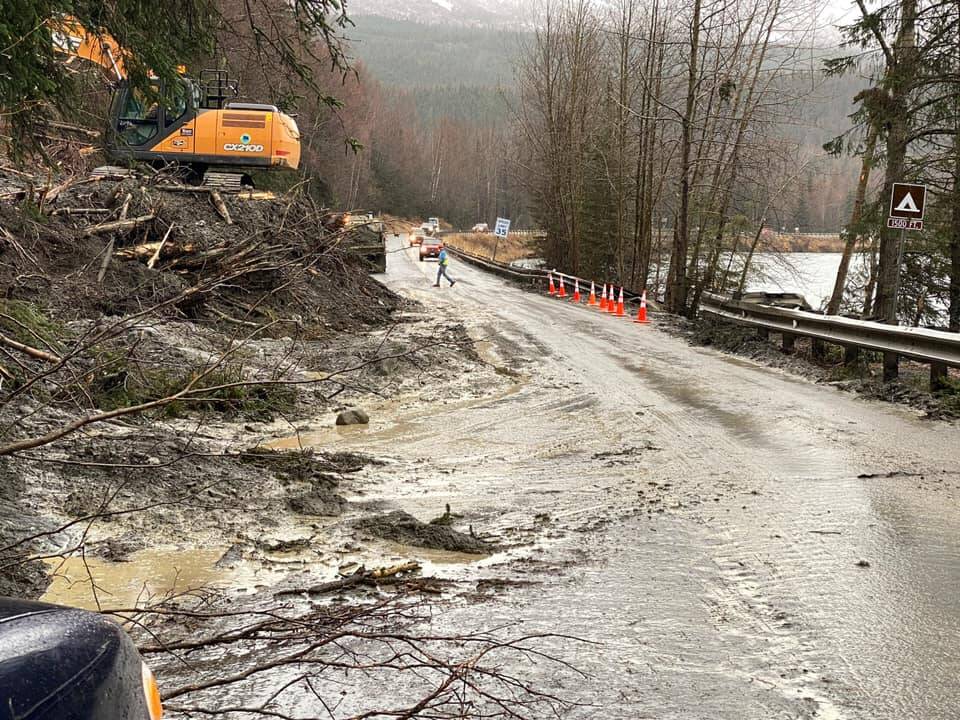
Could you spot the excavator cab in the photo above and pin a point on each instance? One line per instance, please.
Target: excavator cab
(137, 121)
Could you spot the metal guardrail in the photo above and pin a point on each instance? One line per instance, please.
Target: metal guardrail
(938, 348)
(528, 275)
(536, 277)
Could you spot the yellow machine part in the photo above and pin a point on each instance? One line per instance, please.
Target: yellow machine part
(73, 39)
(263, 138)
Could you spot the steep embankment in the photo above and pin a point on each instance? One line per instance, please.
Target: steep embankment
(152, 335)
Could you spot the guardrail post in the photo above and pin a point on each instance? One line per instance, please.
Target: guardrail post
(818, 348)
(891, 366)
(763, 333)
(789, 340)
(851, 355)
(938, 376)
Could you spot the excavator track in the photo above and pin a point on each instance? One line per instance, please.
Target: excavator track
(223, 181)
(105, 171)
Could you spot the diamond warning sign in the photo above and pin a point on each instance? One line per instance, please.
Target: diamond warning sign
(907, 201)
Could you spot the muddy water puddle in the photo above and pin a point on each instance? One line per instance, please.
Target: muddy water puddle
(148, 574)
(154, 573)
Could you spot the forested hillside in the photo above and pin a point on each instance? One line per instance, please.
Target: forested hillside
(406, 53)
(467, 76)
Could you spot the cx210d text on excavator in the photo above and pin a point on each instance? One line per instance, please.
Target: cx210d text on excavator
(198, 126)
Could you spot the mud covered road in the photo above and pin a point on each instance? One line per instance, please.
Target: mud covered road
(738, 542)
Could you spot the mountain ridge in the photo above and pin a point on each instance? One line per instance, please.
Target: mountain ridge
(467, 13)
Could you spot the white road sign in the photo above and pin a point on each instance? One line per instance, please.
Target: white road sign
(502, 228)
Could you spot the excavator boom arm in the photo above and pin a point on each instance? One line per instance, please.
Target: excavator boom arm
(73, 39)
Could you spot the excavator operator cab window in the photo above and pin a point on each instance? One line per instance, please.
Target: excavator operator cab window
(139, 120)
(175, 109)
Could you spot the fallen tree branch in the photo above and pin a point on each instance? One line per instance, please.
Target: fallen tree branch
(361, 577)
(226, 318)
(31, 351)
(118, 225)
(81, 211)
(156, 255)
(73, 128)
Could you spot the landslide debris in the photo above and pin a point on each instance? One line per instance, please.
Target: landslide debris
(404, 528)
(120, 291)
(279, 260)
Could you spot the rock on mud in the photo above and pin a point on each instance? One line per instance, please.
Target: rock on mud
(354, 416)
(319, 502)
(404, 528)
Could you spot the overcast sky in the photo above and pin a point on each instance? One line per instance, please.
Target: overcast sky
(841, 10)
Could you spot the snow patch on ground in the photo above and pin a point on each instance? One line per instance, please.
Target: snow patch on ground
(445, 4)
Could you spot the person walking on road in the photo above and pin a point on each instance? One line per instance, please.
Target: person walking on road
(444, 259)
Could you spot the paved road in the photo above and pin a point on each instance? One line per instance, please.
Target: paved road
(710, 517)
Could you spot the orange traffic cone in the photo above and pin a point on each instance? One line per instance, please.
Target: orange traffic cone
(603, 298)
(576, 290)
(592, 300)
(553, 289)
(620, 312)
(612, 301)
(642, 312)
(563, 288)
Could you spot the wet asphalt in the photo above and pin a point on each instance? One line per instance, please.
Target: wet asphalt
(736, 542)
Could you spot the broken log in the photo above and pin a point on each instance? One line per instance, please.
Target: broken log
(256, 195)
(118, 225)
(148, 250)
(360, 577)
(184, 188)
(31, 351)
(221, 206)
(81, 211)
(156, 255)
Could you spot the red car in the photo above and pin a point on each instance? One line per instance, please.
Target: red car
(430, 247)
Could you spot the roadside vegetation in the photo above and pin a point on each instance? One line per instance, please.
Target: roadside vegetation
(654, 129)
(515, 247)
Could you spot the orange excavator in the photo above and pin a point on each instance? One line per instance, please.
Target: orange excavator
(200, 126)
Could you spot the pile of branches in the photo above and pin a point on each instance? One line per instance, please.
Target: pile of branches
(188, 230)
(370, 660)
(91, 263)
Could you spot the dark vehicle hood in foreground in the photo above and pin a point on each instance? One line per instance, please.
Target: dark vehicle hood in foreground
(61, 663)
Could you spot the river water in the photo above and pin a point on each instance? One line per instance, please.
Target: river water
(809, 274)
